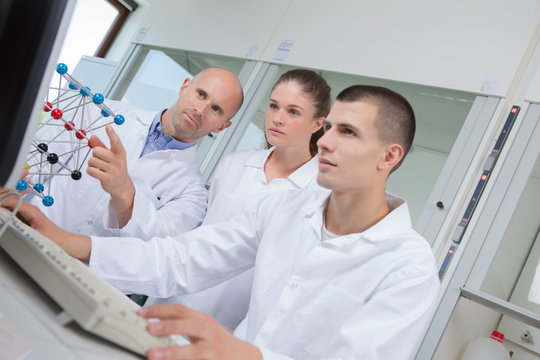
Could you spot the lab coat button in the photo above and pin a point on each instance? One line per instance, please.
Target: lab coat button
(90, 222)
(294, 285)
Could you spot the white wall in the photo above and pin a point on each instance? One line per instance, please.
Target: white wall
(458, 44)
(453, 44)
(534, 91)
(230, 28)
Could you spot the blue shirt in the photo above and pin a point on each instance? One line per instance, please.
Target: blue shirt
(157, 141)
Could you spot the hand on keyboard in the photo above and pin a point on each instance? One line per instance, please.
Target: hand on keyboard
(209, 340)
(76, 245)
(87, 299)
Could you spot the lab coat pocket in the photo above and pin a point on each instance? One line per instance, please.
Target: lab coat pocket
(322, 318)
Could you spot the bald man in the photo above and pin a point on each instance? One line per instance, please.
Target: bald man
(143, 177)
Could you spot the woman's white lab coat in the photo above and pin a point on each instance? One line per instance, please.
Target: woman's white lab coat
(239, 181)
(170, 196)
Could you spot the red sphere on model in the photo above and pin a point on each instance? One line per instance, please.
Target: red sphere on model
(56, 114)
(80, 134)
(47, 107)
(69, 126)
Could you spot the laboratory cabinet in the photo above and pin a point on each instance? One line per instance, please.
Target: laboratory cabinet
(494, 283)
(473, 46)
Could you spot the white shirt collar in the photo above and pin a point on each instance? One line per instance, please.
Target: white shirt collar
(301, 177)
(397, 222)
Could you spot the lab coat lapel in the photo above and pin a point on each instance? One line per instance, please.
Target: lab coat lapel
(134, 141)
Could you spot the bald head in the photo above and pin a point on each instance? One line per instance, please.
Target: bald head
(228, 80)
(205, 104)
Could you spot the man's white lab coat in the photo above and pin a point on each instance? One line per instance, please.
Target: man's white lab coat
(360, 296)
(170, 196)
(239, 181)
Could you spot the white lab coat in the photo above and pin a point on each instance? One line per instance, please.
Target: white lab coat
(170, 197)
(360, 296)
(239, 181)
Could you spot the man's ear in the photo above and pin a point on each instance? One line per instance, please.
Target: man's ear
(317, 124)
(185, 84)
(393, 155)
(223, 126)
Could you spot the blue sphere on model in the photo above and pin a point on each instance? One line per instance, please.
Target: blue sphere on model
(98, 98)
(21, 185)
(39, 187)
(119, 119)
(48, 200)
(61, 68)
(84, 91)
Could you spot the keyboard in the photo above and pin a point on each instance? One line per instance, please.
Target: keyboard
(85, 298)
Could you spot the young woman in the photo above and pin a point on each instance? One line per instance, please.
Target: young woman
(299, 102)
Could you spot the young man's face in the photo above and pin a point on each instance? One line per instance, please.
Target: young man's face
(205, 105)
(350, 152)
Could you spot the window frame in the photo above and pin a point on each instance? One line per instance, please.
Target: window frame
(124, 10)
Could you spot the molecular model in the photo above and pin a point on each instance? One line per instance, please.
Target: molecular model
(61, 142)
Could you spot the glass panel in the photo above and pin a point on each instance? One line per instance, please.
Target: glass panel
(158, 79)
(514, 274)
(440, 114)
(157, 82)
(517, 257)
(254, 138)
(90, 23)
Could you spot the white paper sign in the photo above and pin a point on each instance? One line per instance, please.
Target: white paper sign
(283, 50)
(251, 51)
(491, 82)
(142, 33)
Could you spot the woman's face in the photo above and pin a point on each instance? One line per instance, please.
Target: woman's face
(290, 119)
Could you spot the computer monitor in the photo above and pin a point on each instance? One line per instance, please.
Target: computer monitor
(31, 35)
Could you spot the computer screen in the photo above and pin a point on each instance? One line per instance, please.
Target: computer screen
(31, 35)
